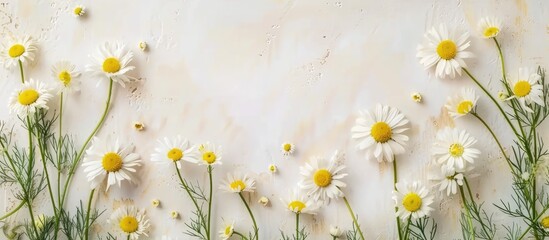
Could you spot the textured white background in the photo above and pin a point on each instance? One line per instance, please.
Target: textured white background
(250, 74)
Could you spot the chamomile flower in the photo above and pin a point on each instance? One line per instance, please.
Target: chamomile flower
(416, 97)
(526, 89)
(237, 183)
(445, 50)
(503, 96)
(489, 27)
(174, 214)
(381, 133)
(544, 223)
(263, 201)
(130, 221)
(322, 178)
(455, 148)
(227, 231)
(412, 200)
(79, 11)
(211, 154)
(300, 203)
(462, 104)
(335, 231)
(31, 96)
(448, 180)
(65, 75)
(18, 49)
(155, 203)
(273, 168)
(287, 148)
(112, 62)
(109, 159)
(173, 151)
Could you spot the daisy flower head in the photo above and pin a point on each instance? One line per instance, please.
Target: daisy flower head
(227, 231)
(31, 96)
(448, 179)
(462, 104)
(130, 221)
(527, 89)
(412, 200)
(300, 203)
(211, 154)
(455, 148)
(173, 151)
(322, 178)
(544, 223)
(446, 50)
(65, 74)
(287, 148)
(381, 133)
(112, 62)
(416, 97)
(18, 49)
(79, 11)
(489, 27)
(237, 183)
(112, 160)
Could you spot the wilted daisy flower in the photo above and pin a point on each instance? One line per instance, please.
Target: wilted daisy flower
(155, 203)
(174, 214)
(526, 89)
(263, 201)
(112, 160)
(211, 154)
(412, 200)
(322, 178)
(175, 150)
(112, 61)
(139, 126)
(142, 46)
(64, 74)
(454, 148)
(444, 49)
(335, 231)
(489, 27)
(287, 148)
(462, 104)
(130, 221)
(18, 49)
(32, 95)
(416, 97)
(238, 183)
(300, 203)
(227, 231)
(380, 133)
(448, 179)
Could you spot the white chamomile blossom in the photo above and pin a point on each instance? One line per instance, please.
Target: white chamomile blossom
(211, 154)
(300, 203)
(527, 89)
(489, 27)
(446, 50)
(237, 183)
(416, 97)
(380, 133)
(322, 178)
(18, 49)
(109, 159)
(544, 222)
(65, 75)
(287, 148)
(462, 104)
(335, 231)
(31, 96)
(273, 168)
(173, 151)
(448, 179)
(112, 62)
(227, 231)
(79, 11)
(131, 221)
(454, 148)
(412, 200)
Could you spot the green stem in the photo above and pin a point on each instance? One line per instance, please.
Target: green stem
(21, 204)
(297, 226)
(21, 71)
(199, 211)
(256, 229)
(29, 170)
(87, 226)
(128, 238)
(210, 200)
(407, 227)
(534, 222)
(241, 235)
(354, 217)
(395, 179)
(29, 206)
(59, 143)
(469, 221)
(42, 150)
(474, 204)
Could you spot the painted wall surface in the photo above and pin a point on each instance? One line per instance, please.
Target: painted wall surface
(251, 74)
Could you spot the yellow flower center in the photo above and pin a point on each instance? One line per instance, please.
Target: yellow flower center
(491, 32)
(464, 107)
(209, 157)
(545, 222)
(65, 78)
(28, 97)
(129, 224)
(175, 154)
(238, 185)
(287, 147)
(381, 132)
(16, 50)
(78, 10)
(296, 206)
(322, 178)
(411, 202)
(522, 88)
(456, 150)
(229, 231)
(111, 65)
(112, 162)
(447, 49)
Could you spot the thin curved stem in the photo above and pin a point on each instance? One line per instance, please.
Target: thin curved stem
(297, 226)
(21, 204)
(354, 217)
(395, 179)
(469, 220)
(29, 206)
(199, 211)
(87, 227)
(41, 148)
(21, 71)
(210, 200)
(407, 228)
(256, 229)
(241, 235)
(59, 143)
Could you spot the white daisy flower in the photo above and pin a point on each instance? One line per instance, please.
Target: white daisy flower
(18, 49)
(32, 95)
(79, 11)
(287, 148)
(413, 200)
(445, 50)
(112, 61)
(448, 179)
(227, 231)
(65, 75)
(112, 160)
(211, 154)
(175, 150)
(544, 223)
(322, 178)
(273, 168)
(462, 104)
(416, 97)
(237, 183)
(454, 148)
(300, 203)
(526, 89)
(489, 27)
(130, 221)
(381, 133)
(335, 231)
